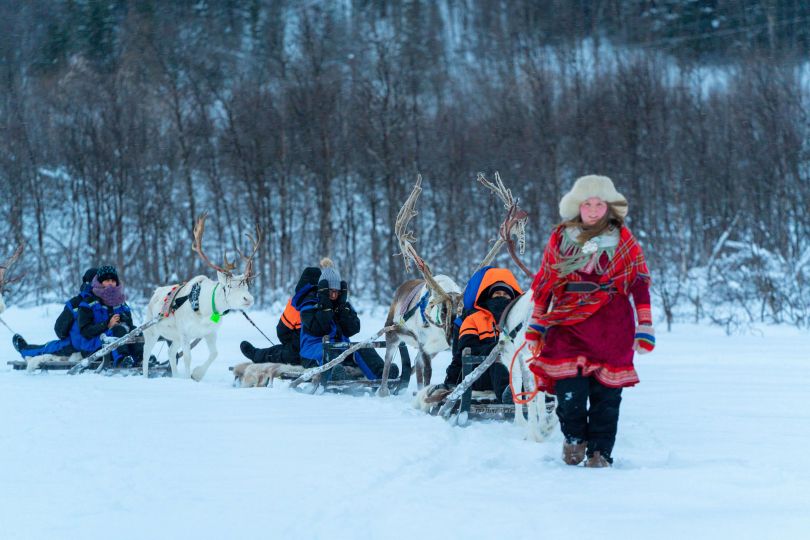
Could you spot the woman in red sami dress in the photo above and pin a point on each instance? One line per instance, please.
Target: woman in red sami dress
(584, 332)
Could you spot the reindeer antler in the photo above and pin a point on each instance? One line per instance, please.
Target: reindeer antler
(406, 239)
(513, 225)
(199, 230)
(256, 241)
(9, 262)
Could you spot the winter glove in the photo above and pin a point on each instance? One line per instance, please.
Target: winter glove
(536, 332)
(323, 295)
(645, 339)
(343, 296)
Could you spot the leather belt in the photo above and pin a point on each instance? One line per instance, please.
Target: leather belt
(588, 287)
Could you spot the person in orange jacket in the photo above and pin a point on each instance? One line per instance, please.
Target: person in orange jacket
(288, 328)
(486, 296)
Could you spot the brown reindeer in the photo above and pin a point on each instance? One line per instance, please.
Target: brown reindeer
(424, 309)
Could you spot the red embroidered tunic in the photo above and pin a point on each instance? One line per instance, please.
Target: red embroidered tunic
(597, 334)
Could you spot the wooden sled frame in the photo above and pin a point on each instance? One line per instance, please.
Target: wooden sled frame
(488, 409)
(358, 386)
(333, 350)
(97, 366)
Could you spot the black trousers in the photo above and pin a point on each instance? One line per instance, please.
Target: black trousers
(589, 411)
(495, 378)
(279, 354)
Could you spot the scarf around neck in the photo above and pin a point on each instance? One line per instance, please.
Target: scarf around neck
(110, 296)
(626, 265)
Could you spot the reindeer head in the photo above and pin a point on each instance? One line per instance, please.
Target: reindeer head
(3, 280)
(445, 303)
(234, 286)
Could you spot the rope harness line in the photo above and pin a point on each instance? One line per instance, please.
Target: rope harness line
(518, 397)
(7, 326)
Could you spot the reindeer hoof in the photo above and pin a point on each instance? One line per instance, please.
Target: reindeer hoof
(383, 391)
(197, 374)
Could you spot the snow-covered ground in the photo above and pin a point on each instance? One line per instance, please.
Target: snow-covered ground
(711, 444)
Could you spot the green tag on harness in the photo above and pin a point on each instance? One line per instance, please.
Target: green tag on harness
(215, 316)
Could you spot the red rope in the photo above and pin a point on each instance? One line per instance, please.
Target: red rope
(518, 397)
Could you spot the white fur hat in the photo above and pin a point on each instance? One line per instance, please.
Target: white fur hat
(591, 186)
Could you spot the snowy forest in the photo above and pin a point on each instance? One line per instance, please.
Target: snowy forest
(121, 121)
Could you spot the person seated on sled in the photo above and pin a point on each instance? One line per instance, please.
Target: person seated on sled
(288, 328)
(105, 312)
(326, 311)
(66, 320)
(487, 294)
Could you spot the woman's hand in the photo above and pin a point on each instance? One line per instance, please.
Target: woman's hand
(645, 339)
(115, 319)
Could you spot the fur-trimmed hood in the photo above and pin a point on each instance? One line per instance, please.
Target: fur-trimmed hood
(591, 186)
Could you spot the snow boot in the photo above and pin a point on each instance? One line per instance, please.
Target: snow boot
(248, 350)
(597, 461)
(506, 397)
(127, 362)
(574, 452)
(19, 343)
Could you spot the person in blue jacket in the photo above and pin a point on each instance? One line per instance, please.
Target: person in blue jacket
(325, 311)
(61, 346)
(105, 312)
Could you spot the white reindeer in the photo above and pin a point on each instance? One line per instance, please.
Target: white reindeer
(3, 267)
(210, 298)
(516, 318)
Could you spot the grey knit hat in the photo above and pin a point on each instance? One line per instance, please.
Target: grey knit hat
(330, 273)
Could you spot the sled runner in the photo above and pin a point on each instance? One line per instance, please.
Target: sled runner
(102, 366)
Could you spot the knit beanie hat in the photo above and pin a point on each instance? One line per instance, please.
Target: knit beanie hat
(330, 273)
(591, 186)
(89, 274)
(500, 286)
(107, 272)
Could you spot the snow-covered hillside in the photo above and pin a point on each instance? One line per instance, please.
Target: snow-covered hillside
(711, 445)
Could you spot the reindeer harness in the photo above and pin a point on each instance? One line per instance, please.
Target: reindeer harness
(172, 303)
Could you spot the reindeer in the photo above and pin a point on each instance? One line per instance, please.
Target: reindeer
(199, 314)
(5, 266)
(516, 319)
(424, 309)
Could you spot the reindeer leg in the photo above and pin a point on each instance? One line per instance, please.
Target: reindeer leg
(149, 340)
(419, 364)
(187, 356)
(173, 357)
(211, 342)
(428, 368)
(517, 381)
(391, 342)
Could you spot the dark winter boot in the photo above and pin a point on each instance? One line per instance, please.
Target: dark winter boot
(597, 461)
(574, 452)
(248, 350)
(506, 397)
(19, 343)
(127, 362)
(339, 373)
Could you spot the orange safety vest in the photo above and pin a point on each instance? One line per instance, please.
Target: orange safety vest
(291, 318)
